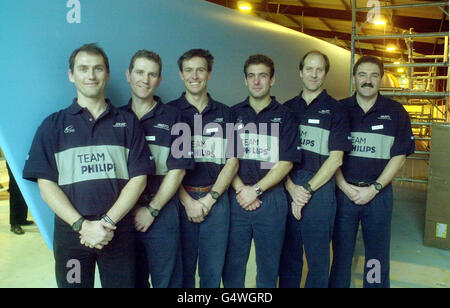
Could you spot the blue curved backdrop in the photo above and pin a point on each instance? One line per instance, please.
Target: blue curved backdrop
(37, 38)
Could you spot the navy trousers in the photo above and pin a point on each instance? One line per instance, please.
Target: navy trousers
(116, 261)
(375, 218)
(158, 250)
(205, 242)
(266, 226)
(311, 234)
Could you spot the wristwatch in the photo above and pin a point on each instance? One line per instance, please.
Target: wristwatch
(378, 186)
(77, 224)
(214, 194)
(308, 188)
(153, 212)
(258, 190)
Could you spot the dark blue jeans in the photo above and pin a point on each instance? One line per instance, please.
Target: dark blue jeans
(266, 225)
(116, 261)
(207, 242)
(158, 250)
(375, 218)
(312, 234)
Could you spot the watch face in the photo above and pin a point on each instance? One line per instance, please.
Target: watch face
(214, 194)
(378, 186)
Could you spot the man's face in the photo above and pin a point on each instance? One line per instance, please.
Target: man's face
(195, 75)
(89, 75)
(367, 79)
(144, 79)
(313, 73)
(258, 80)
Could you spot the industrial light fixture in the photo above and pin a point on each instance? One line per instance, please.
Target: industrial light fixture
(244, 6)
(380, 22)
(391, 48)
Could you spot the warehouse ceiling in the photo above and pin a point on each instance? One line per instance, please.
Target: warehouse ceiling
(331, 20)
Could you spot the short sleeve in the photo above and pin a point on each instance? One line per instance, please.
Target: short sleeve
(41, 162)
(404, 143)
(289, 139)
(183, 162)
(340, 136)
(139, 157)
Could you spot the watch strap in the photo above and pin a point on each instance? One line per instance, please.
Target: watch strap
(76, 226)
(378, 186)
(307, 186)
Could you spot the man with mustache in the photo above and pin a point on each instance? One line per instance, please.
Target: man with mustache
(382, 138)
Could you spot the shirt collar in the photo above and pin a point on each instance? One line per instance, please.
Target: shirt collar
(320, 98)
(184, 104)
(379, 103)
(75, 108)
(156, 110)
(273, 104)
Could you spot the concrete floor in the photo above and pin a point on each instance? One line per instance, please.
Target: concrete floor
(25, 261)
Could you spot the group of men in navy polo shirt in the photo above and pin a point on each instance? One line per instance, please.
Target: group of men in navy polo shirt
(153, 190)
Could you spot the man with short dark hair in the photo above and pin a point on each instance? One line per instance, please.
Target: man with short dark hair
(382, 138)
(205, 208)
(325, 136)
(91, 164)
(268, 144)
(157, 217)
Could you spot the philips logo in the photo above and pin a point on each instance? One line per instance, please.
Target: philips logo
(120, 124)
(276, 120)
(69, 129)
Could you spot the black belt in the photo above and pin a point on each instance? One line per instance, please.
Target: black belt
(361, 184)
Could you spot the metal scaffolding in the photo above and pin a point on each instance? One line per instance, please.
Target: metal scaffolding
(425, 102)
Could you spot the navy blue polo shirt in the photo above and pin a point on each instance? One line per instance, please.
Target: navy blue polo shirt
(157, 124)
(211, 133)
(377, 136)
(323, 126)
(90, 160)
(264, 139)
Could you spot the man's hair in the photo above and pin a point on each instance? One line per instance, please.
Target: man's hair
(260, 59)
(201, 53)
(91, 48)
(369, 59)
(315, 52)
(149, 55)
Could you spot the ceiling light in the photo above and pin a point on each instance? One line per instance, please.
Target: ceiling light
(380, 22)
(391, 48)
(244, 6)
